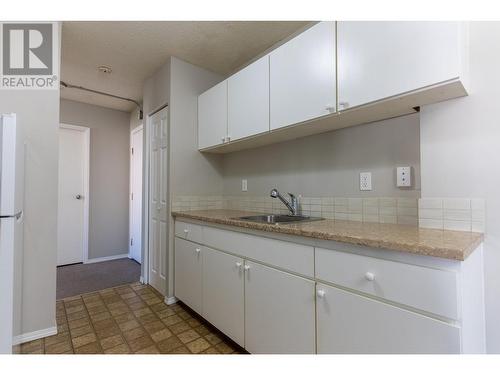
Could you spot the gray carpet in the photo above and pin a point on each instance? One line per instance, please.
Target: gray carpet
(76, 279)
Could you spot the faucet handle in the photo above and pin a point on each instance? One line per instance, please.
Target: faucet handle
(292, 196)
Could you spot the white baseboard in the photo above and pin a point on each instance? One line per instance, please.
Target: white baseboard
(170, 300)
(30, 336)
(104, 259)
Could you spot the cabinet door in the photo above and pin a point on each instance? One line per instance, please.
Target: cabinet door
(302, 77)
(279, 311)
(352, 324)
(188, 273)
(377, 60)
(212, 116)
(223, 301)
(248, 100)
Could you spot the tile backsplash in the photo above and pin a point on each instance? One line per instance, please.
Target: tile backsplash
(378, 210)
(463, 214)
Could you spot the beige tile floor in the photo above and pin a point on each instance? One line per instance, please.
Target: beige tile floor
(129, 319)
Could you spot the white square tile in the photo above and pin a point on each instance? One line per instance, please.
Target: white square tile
(478, 204)
(355, 205)
(478, 215)
(355, 217)
(407, 202)
(388, 211)
(370, 210)
(457, 203)
(433, 203)
(430, 213)
(341, 202)
(457, 214)
(478, 226)
(457, 225)
(370, 202)
(407, 211)
(371, 218)
(341, 216)
(408, 220)
(431, 223)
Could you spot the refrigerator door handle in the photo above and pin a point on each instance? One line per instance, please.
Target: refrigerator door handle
(17, 216)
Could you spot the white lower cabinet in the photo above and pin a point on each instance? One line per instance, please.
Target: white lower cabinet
(349, 323)
(223, 293)
(279, 311)
(188, 268)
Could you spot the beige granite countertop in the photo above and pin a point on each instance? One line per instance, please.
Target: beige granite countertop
(446, 244)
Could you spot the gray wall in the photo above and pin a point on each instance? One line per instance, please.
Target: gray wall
(192, 173)
(329, 164)
(460, 155)
(109, 175)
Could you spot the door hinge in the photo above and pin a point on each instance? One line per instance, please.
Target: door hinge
(132, 150)
(131, 242)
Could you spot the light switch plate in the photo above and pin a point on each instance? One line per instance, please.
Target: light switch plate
(244, 185)
(365, 181)
(403, 176)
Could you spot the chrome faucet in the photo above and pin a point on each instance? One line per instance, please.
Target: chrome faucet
(293, 205)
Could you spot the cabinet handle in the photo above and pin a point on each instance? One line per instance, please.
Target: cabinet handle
(330, 108)
(320, 293)
(238, 264)
(223, 139)
(247, 267)
(186, 231)
(228, 138)
(198, 250)
(369, 276)
(343, 105)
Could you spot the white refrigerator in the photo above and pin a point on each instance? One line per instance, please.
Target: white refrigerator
(12, 151)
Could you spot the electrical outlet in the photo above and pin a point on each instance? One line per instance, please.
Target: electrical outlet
(244, 185)
(365, 181)
(403, 176)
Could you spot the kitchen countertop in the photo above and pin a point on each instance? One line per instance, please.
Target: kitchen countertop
(446, 244)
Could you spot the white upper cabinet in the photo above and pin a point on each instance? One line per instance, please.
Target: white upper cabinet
(377, 60)
(212, 116)
(248, 100)
(302, 77)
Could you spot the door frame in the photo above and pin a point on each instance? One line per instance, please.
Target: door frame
(145, 277)
(86, 184)
(130, 211)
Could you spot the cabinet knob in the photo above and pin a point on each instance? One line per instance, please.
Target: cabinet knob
(330, 108)
(228, 138)
(247, 267)
(369, 276)
(238, 264)
(320, 293)
(198, 250)
(223, 139)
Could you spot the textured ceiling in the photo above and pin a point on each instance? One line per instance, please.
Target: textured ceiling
(135, 50)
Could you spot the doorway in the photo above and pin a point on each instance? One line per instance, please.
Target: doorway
(136, 141)
(73, 202)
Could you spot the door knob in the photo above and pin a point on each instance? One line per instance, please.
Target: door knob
(78, 196)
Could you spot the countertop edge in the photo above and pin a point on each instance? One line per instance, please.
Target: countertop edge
(443, 253)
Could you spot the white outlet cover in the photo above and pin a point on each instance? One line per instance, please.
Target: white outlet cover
(403, 176)
(244, 185)
(365, 181)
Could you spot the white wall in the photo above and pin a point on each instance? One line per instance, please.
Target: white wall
(109, 175)
(460, 154)
(328, 164)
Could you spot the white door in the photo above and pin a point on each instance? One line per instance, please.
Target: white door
(279, 312)
(223, 293)
(248, 100)
(348, 323)
(158, 200)
(136, 194)
(378, 59)
(302, 77)
(212, 116)
(188, 273)
(72, 164)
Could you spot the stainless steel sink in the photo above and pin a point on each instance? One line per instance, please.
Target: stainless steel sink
(275, 219)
